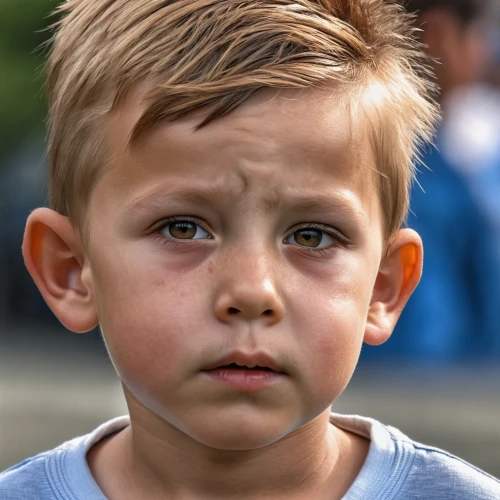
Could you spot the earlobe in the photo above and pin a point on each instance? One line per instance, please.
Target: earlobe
(54, 257)
(398, 276)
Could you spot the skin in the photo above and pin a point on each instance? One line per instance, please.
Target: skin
(168, 308)
(460, 49)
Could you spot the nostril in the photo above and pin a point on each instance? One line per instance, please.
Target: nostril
(234, 311)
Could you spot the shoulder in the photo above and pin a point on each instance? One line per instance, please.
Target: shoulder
(437, 474)
(42, 477)
(28, 479)
(59, 474)
(398, 468)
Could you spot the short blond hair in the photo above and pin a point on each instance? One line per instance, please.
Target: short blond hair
(218, 53)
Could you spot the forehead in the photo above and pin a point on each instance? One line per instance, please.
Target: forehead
(284, 141)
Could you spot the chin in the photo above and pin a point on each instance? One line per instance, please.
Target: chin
(241, 439)
(240, 434)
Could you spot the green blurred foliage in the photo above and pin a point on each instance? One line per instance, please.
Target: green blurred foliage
(23, 30)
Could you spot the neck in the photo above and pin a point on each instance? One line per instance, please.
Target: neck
(181, 465)
(159, 461)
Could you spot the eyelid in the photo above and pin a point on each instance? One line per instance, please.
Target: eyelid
(178, 218)
(332, 231)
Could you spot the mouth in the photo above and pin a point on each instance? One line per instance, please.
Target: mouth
(245, 373)
(234, 366)
(258, 362)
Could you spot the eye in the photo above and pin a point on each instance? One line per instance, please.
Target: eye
(310, 238)
(184, 230)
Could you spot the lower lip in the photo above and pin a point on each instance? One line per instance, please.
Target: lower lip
(244, 380)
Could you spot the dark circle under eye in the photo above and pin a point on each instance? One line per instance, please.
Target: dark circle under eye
(182, 230)
(308, 237)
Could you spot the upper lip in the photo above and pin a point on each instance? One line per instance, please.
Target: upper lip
(250, 360)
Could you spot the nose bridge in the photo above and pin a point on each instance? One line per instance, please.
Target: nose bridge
(248, 286)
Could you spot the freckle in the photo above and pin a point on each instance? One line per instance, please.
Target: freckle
(158, 282)
(210, 268)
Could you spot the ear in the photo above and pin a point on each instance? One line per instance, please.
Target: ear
(55, 258)
(398, 276)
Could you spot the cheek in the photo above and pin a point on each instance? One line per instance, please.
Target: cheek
(333, 351)
(331, 330)
(148, 321)
(471, 56)
(478, 56)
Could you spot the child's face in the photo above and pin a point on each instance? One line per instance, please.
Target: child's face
(260, 234)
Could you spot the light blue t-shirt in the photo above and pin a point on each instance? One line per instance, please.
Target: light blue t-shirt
(396, 468)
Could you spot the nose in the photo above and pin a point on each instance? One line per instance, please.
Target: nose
(247, 291)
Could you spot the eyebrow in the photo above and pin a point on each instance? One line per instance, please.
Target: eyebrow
(321, 201)
(156, 198)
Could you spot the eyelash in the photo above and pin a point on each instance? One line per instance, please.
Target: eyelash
(172, 242)
(339, 239)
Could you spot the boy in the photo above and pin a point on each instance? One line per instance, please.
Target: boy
(228, 182)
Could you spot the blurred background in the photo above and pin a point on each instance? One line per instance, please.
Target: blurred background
(437, 379)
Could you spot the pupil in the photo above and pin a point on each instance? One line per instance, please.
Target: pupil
(182, 230)
(308, 237)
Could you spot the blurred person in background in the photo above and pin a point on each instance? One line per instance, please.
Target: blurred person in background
(470, 138)
(453, 314)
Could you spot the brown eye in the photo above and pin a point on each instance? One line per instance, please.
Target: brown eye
(184, 230)
(308, 237)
